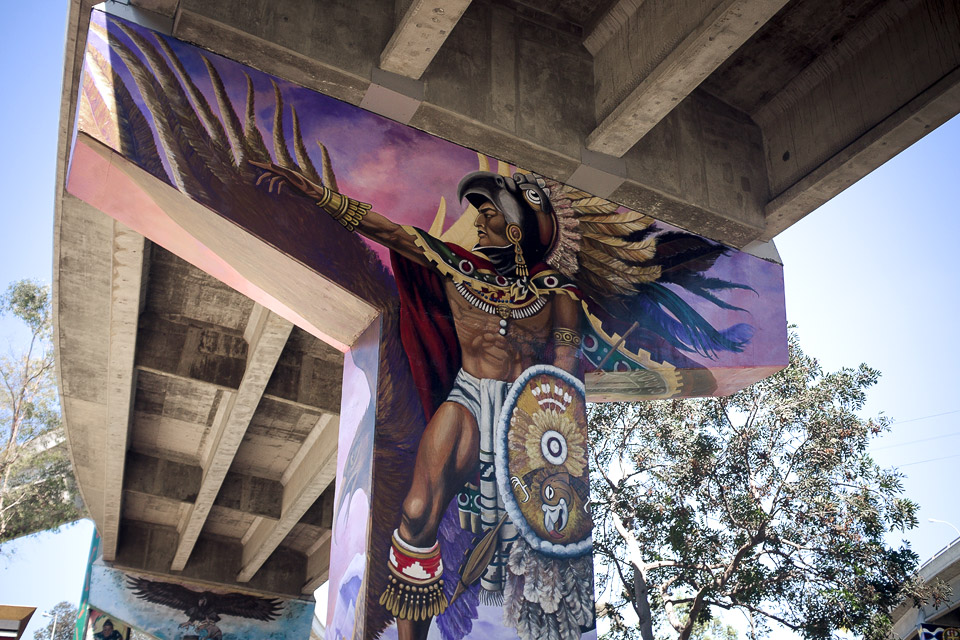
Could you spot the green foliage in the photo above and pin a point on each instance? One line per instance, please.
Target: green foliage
(65, 618)
(37, 487)
(765, 502)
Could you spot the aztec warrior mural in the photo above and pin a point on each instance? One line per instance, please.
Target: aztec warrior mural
(462, 491)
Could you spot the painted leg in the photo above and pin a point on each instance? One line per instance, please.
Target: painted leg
(446, 458)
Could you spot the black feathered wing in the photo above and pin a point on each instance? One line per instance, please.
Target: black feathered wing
(168, 594)
(245, 606)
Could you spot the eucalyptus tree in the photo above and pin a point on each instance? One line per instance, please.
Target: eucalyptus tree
(37, 487)
(766, 502)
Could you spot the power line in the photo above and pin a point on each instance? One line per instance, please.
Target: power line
(903, 444)
(910, 464)
(936, 415)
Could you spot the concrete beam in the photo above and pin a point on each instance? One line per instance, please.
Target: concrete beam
(169, 348)
(892, 79)
(420, 34)
(311, 471)
(318, 564)
(163, 7)
(631, 104)
(126, 295)
(150, 548)
(266, 336)
(178, 481)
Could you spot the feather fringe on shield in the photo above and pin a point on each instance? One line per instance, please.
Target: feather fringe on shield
(547, 598)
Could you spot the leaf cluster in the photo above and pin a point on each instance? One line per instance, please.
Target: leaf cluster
(37, 487)
(64, 615)
(766, 501)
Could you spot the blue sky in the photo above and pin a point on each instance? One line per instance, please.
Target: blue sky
(869, 278)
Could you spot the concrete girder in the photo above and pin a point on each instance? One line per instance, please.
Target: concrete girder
(318, 564)
(181, 482)
(126, 294)
(148, 547)
(890, 80)
(420, 34)
(299, 380)
(632, 103)
(266, 336)
(163, 7)
(311, 471)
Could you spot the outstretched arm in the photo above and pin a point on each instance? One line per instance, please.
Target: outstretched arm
(351, 214)
(566, 333)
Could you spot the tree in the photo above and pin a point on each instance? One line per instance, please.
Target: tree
(37, 487)
(765, 502)
(65, 616)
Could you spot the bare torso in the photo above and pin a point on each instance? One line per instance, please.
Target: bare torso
(486, 353)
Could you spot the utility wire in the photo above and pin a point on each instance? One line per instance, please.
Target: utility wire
(910, 464)
(903, 444)
(936, 415)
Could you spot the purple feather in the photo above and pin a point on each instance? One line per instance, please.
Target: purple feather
(457, 621)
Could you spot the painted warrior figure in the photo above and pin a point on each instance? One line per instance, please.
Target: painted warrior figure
(558, 279)
(510, 311)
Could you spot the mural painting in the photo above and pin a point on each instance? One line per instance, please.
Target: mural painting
(83, 611)
(103, 626)
(463, 497)
(185, 611)
(348, 551)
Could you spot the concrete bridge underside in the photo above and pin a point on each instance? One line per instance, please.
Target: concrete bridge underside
(203, 426)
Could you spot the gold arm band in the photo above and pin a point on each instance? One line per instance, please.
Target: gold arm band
(566, 338)
(346, 211)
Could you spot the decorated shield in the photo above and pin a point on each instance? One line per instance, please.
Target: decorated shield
(541, 461)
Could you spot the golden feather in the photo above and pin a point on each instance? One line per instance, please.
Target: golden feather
(613, 268)
(303, 158)
(280, 150)
(201, 106)
(329, 179)
(251, 133)
(624, 217)
(618, 248)
(479, 559)
(231, 123)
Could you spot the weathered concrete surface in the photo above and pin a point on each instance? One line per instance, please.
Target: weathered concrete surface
(265, 334)
(632, 98)
(533, 83)
(421, 32)
(163, 463)
(309, 474)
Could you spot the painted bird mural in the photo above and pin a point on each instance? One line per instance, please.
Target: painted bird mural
(205, 608)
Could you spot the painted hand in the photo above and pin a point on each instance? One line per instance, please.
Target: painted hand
(347, 211)
(277, 176)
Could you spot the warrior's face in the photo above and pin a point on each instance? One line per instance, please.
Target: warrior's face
(491, 226)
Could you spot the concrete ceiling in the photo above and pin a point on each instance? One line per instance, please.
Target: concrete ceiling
(219, 452)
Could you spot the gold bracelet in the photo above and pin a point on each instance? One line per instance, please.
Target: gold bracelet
(563, 337)
(347, 211)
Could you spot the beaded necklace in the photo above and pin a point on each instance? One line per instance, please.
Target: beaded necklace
(502, 303)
